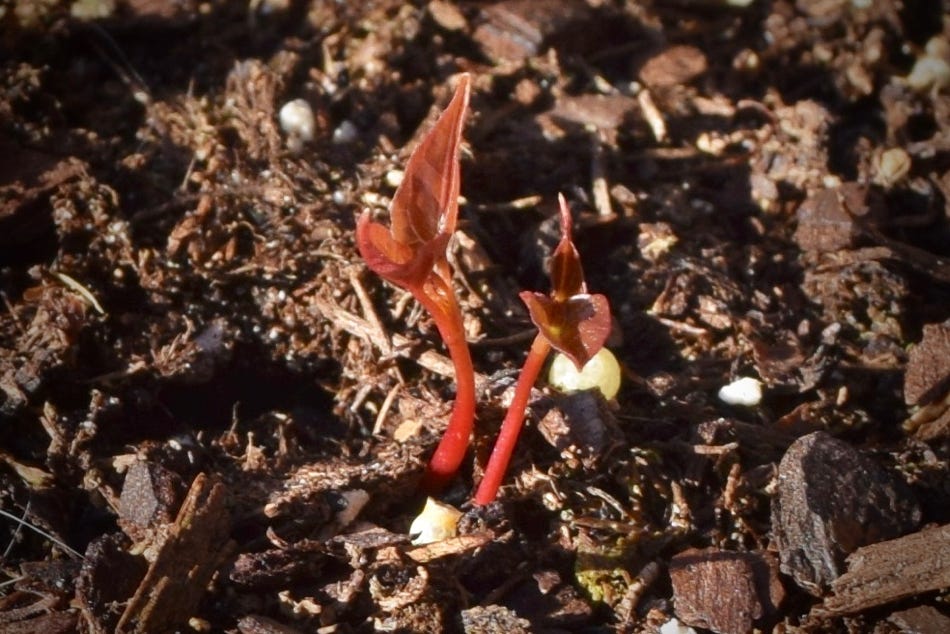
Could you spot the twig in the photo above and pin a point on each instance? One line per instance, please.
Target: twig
(36, 529)
(652, 114)
(366, 304)
(518, 204)
(384, 409)
(79, 289)
(598, 184)
(16, 319)
(682, 327)
(401, 346)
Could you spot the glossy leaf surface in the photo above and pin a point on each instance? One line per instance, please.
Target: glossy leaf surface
(424, 209)
(574, 322)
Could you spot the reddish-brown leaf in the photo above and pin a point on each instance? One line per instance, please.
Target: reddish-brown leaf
(574, 322)
(424, 209)
(567, 274)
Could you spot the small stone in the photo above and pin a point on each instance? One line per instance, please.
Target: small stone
(296, 119)
(437, 522)
(745, 391)
(831, 499)
(929, 73)
(447, 15)
(150, 495)
(345, 133)
(675, 626)
(891, 166)
(394, 177)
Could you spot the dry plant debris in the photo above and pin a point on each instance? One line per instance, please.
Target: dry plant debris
(760, 189)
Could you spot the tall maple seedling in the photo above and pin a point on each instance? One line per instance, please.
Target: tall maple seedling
(412, 255)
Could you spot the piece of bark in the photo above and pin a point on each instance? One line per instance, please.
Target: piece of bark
(831, 500)
(724, 591)
(673, 66)
(392, 478)
(930, 422)
(892, 570)
(923, 619)
(928, 366)
(493, 618)
(580, 425)
(512, 30)
(605, 112)
(45, 578)
(150, 496)
(824, 224)
(176, 581)
(109, 576)
(256, 624)
(53, 623)
(27, 179)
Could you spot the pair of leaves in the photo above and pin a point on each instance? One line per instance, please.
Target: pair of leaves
(573, 321)
(424, 210)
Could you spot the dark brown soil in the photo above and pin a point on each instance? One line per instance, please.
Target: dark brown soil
(219, 418)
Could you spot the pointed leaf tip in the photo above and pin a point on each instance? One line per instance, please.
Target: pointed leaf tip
(574, 322)
(567, 274)
(426, 202)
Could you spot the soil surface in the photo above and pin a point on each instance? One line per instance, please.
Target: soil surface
(214, 417)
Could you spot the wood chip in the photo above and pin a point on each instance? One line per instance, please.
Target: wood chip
(724, 591)
(512, 30)
(824, 224)
(176, 581)
(928, 368)
(674, 66)
(831, 500)
(923, 619)
(892, 570)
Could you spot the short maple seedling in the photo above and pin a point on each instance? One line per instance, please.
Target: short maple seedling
(571, 321)
(412, 255)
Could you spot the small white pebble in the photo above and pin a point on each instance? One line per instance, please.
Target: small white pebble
(891, 166)
(745, 391)
(338, 197)
(345, 133)
(937, 47)
(437, 521)
(296, 120)
(674, 626)
(929, 72)
(601, 372)
(394, 177)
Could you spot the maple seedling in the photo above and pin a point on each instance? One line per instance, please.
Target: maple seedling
(570, 320)
(412, 254)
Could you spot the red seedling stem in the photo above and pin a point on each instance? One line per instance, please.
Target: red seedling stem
(514, 419)
(449, 454)
(411, 253)
(570, 320)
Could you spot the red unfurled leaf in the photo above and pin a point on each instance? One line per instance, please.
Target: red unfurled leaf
(411, 254)
(574, 322)
(425, 207)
